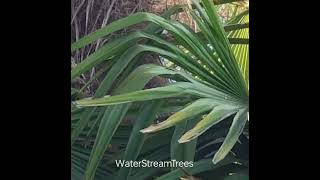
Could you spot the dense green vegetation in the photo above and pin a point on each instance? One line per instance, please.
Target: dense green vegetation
(200, 115)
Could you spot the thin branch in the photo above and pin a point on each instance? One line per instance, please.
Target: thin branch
(236, 27)
(218, 2)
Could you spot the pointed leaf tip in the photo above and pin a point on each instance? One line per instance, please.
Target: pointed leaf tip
(145, 131)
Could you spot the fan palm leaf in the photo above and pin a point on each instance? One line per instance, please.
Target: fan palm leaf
(215, 84)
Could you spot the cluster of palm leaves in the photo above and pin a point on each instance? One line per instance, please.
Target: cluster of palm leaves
(199, 116)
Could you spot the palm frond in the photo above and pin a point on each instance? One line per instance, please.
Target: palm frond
(214, 88)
